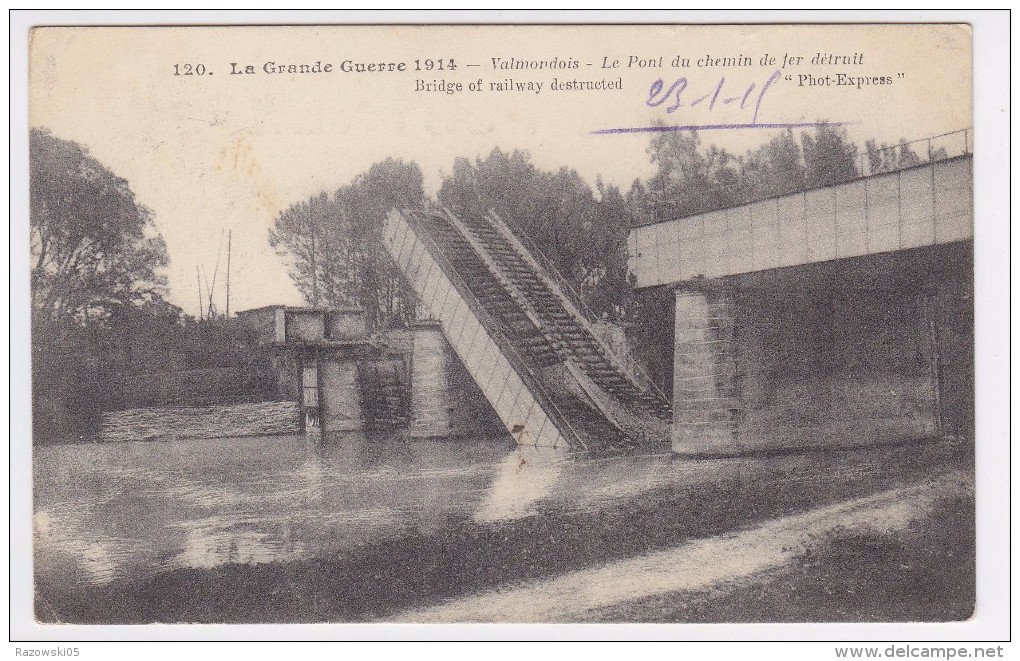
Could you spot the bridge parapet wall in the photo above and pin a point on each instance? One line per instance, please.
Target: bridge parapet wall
(921, 206)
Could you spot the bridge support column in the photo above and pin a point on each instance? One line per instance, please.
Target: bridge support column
(340, 395)
(704, 375)
(430, 383)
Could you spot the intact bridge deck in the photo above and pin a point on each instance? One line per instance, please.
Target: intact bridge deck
(926, 205)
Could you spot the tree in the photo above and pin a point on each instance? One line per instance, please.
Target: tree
(775, 168)
(606, 282)
(688, 180)
(335, 243)
(311, 235)
(889, 158)
(692, 179)
(829, 158)
(96, 263)
(94, 248)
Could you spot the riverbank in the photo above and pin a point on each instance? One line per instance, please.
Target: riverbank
(924, 572)
(838, 549)
(222, 421)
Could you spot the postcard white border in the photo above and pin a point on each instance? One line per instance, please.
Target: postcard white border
(991, 186)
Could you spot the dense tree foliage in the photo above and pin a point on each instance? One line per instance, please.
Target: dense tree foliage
(692, 179)
(97, 287)
(334, 243)
(95, 257)
(890, 158)
(829, 159)
(94, 248)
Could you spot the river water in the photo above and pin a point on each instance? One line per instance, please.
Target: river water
(107, 512)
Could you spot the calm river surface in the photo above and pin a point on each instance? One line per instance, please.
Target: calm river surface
(115, 511)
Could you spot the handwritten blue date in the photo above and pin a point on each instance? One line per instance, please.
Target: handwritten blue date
(675, 95)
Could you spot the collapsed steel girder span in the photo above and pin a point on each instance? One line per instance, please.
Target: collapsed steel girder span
(528, 344)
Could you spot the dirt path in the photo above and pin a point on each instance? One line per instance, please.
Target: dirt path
(693, 566)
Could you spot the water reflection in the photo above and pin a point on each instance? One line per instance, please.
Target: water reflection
(131, 509)
(104, 511)
(523, 478)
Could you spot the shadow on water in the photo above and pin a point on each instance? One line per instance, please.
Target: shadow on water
(353, 527)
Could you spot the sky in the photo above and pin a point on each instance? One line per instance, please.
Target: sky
(222, 151)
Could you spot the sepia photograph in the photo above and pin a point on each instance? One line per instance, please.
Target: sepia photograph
(503, 324)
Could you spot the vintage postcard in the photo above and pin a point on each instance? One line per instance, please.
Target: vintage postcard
(502, 323)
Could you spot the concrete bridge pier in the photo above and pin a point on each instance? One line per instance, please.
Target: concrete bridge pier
(340, 395)
(430, 384)
(705, 402)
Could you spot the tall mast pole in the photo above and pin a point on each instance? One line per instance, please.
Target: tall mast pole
(216, 270)
(210, 312)
(315, 276)
(198, 274)
(229, 233)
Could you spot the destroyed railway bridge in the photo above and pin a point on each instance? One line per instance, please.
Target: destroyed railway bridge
(835, 317)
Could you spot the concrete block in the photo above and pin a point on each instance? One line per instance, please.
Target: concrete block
(820, 205)
(820, 226)
(692, 269)
(473, 355)
(645, 238)
(883, 213)
(916, 187)
(954, 227)
(791, 232)
(742, 261)
(883, 189)
(741, 240)
(916, 210)
(507, 407)
(493, 388)
(716, 244)
(766, 256)
(716, 266)
(915, 235)
(669, 264)
(689, 228)
(704, 440)
(533, 425)
(347, 324)
(306, 325)
(715, 222)
(454, 325)
(703, 372)
(740, 218)
(790, 210)
(520, 411)
(883, 238)
(765, 233)
(953, 198)
(852, 220)
(431, 396)
(691, 250)
(764, 214)
(850, 197)
(821, 248)
(851, 245)
(549, 437)
(793, 253)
